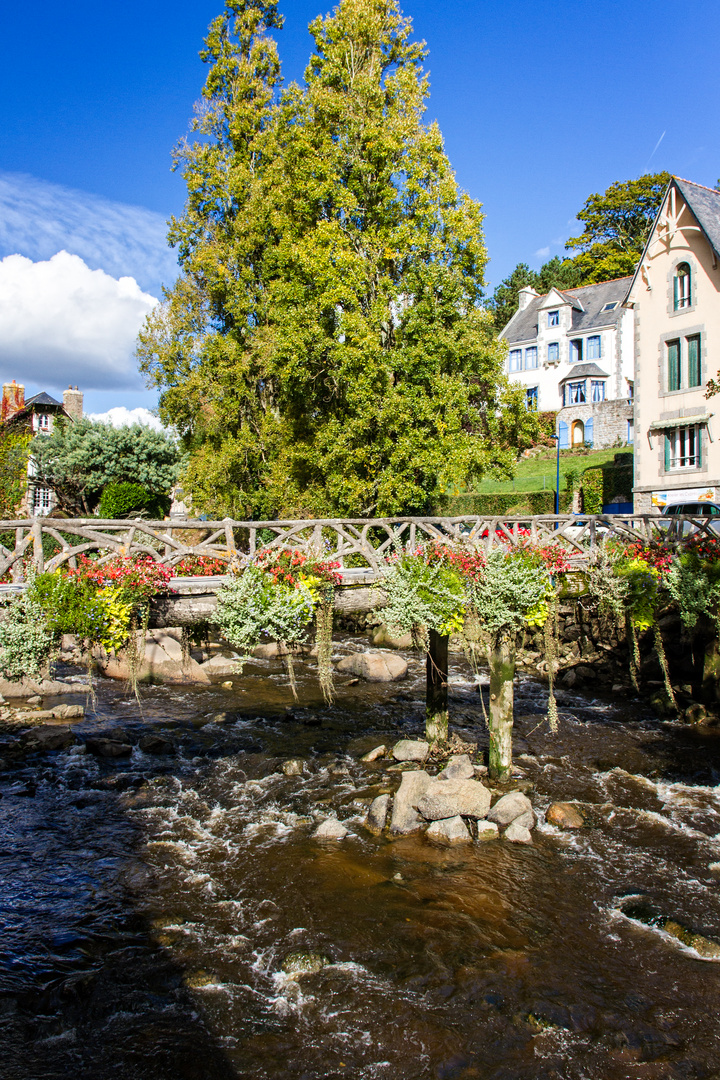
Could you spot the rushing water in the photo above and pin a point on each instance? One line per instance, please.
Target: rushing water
(148, 902)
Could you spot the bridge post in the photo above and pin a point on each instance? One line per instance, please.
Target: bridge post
(436, 694)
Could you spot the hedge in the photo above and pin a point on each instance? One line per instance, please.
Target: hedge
(506, 503)
(601, 484)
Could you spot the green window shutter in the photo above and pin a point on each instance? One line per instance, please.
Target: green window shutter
(676, 292)
(698, 445)
(693, 344)
(673, 363)
(667, 452)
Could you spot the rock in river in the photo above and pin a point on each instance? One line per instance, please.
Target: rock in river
(330, 829)
(449, 831)
(50, 737)
(405, 818)
(411, 750)
(509, 807)
(448, 798)
(304, 963)
(517, 834)
(459, 767)
(487, 830)
(293, 767)
(564, 816)
(374, 666)
(377, 814)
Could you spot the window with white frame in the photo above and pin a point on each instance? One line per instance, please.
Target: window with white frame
(682, 287)
(594, 347)
(683, 361)
(531, 357)
(515, 360)
(682, 448)
(575, 393)
(611, 306)
(42, 500)
(553, 318)
(553, 352)
(531, 398)
(597, 390)
(576, 350)
(42, 421)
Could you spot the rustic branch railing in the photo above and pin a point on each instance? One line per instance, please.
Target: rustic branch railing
(357, 543)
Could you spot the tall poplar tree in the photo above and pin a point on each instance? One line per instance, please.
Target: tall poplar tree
(367, 377)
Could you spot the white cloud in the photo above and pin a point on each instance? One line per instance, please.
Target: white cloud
(542, 253)
(61, 322)
(120, 416)
(38, 219)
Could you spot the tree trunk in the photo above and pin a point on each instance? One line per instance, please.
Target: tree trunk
(500, 720)
(436, 696)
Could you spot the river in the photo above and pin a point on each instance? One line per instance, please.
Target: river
(148, 902)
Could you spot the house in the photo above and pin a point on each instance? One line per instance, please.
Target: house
(37, 416)
(675, 295)
(572, 350)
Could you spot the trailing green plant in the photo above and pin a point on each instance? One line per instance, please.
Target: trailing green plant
(277, 596)
(694, 580)
(26, 641)
(14, 452)
(425, 591)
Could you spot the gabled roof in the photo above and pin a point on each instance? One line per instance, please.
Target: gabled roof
(587, 301)
(582, 371)
(42, 399)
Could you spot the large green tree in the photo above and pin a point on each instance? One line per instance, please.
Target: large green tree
(350, 367)
(80, 458)
(616, 225)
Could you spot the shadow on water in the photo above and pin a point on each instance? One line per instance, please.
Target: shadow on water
(148, 902)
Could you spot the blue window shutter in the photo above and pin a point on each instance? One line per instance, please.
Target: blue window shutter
(667, 452)
(563, 433)
(589, 430)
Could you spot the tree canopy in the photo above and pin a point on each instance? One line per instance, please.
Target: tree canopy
(79, 458)
(325, 349)
(616, 225)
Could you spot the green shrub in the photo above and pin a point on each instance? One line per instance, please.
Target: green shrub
(124, 499)
(506, 503)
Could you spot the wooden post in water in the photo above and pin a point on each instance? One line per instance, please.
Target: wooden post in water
(500, 718)
(436, 695)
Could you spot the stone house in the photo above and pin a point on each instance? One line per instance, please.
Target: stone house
(37, 416)
(675, 297)
(572, 350)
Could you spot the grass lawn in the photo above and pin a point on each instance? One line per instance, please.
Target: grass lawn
(538, 473)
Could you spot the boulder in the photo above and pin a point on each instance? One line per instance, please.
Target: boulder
(50, 737)
(330, 829)
(517, 834)
(377, 814)
(411, 750)
(163, 662)
(564, 816)
(221, 665)
(384, 639)
(373, 755)
(293, 767)
(30, 687)
(374, 666)
(487, 830)
(450, 798)
(459, 767)
(526, 820)
(110, 748)
(509, 807)
(304, 963)
(405, 818)
(270, 650)
(449, 831)
(156, 744)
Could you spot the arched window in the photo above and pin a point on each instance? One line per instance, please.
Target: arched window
(682, 287)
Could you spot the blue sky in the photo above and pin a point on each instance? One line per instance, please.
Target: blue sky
(540, 104)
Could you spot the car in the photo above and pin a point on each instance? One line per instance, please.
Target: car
(690, 509)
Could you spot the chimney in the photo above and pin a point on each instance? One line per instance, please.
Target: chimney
(525, 296)
(73, 402)
(13, 399)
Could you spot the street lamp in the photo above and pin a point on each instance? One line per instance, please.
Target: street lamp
(557, 476)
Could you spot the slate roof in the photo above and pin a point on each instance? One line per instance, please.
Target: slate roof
(524, 324)
(705, 205)
(42, 399)
(582, 371)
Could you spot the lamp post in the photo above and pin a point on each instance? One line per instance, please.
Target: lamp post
(557, 476)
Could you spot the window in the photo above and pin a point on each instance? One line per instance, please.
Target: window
(593, 350)
(597, 390)
(611, 306)
(681, 287)
(673, 365)
(531, 359)
(630, 389)
(630, 432)
(682, 448)
(576, 393)
(42, 500)
(553, 351)
(553, 318)
(693, 361)
(516, 360)
(576, 350)
(42, 422)
(531, 398)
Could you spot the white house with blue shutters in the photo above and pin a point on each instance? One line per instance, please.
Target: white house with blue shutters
(572, 350)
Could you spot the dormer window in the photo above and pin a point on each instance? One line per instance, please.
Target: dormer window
(611, 306)
(682, 287)
(42, 422)
(553, 318)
